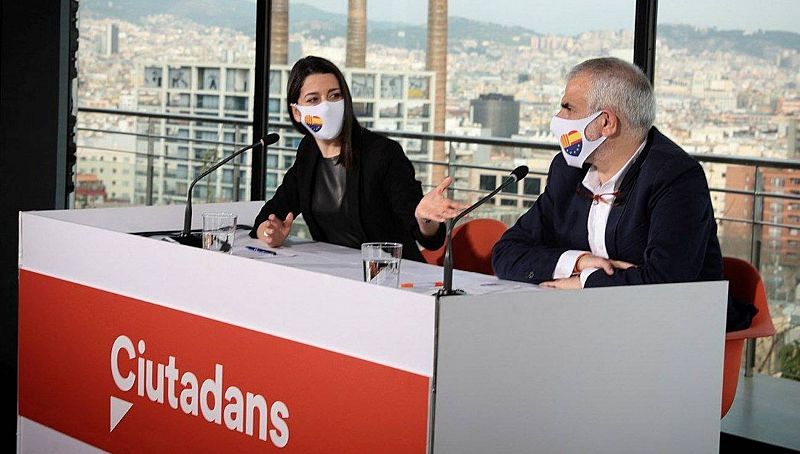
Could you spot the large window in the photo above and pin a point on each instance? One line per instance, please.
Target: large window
(164, 60)
(516, 51)
(727, 84)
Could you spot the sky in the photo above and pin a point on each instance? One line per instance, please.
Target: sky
(575, 16)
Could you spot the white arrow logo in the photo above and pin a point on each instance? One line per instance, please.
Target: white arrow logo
(119, 408)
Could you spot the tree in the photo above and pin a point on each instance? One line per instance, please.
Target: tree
(789, 356)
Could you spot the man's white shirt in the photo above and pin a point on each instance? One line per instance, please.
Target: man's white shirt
(597, 221)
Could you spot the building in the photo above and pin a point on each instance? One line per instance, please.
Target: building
(89, 191)
(777, 239)
(99, 156)
(110, 44)
(383, 100)
(499, 113)
(166, 167)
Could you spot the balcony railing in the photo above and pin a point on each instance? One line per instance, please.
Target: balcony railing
(150, 161)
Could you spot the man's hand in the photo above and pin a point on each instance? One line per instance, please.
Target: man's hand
(273, 231)
(592, 261)
(584, 262)
(565, 283)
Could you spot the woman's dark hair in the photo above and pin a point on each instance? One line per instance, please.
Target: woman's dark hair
(316, 65)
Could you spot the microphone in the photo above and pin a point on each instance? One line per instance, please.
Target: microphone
(447, 289)
(186, 237)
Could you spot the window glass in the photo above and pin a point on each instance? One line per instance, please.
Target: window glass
(236, 103)
(207, 102)
(390, 109)
(180, 77)
(488, 182)
(178, 99)
(532, 186)
(274, 106)
(391, 86)
(726, 83)
(275, 82)
(169, 58)
(363, 109)
(518, 50)
(363, 85)
(418, 109)
(418, 87)
(208, 79)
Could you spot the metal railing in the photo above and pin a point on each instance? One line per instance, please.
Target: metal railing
(756, 193)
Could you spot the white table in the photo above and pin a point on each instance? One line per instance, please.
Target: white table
(342, 365)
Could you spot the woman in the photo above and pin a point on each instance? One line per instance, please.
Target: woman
(351, 185)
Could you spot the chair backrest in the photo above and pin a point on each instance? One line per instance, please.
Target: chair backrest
(473, 242)
(744, 283)
(434, 257)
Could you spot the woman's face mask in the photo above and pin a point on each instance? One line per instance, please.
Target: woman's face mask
(572, 138)
(324, 120)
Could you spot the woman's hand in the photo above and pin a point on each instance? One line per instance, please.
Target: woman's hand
(273, 231)
(436, 207)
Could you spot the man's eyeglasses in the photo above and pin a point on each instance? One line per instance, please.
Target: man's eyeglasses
(609, 198)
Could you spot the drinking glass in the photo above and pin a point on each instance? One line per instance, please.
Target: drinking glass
(218, 231)
(382, 263)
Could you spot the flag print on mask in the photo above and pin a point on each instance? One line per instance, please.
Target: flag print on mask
(572, 138)
(572, 142)
(313, 122)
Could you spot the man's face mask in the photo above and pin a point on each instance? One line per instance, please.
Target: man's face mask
(572, 138)
(323, 121)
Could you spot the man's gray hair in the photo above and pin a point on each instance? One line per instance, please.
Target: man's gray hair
(619, 86)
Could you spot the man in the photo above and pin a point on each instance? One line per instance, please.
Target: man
(623, 204)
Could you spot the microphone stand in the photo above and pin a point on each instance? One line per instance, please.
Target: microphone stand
(447, 289)
(186, 237)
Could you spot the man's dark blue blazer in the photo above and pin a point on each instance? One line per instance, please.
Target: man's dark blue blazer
(662, 221)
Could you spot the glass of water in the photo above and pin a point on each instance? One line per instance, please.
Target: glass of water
(382, 263)
(218, 231)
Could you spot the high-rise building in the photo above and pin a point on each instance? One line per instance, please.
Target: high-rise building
(101, 164)
(499, 113)
(169, 165)
(778, 243)
(793, 138)
(382, 100)
(110, 44)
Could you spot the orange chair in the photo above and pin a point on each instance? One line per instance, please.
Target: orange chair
(744, 283)
(473, 242)
(434, 257)
(472, 246)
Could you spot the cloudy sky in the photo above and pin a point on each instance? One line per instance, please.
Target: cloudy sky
(573, 16)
